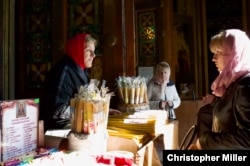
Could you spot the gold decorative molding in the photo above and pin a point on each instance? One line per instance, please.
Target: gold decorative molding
(8, 50)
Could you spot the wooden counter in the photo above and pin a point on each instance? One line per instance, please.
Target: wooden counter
(148, 153)
(151, 152)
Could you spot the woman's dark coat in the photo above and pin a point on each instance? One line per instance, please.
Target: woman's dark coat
(58, 90)
(231, 119)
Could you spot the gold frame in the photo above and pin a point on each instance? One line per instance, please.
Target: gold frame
(1, 51)
(8, 43)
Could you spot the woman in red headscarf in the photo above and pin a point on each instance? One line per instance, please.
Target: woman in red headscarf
(65, 79)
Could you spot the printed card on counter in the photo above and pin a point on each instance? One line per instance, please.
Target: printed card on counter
(18, 127)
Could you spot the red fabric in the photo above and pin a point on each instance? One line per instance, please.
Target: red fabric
(74, 48)
(118, 160)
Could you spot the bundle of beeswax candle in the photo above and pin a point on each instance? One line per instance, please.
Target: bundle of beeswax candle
(132, 90)
(89, 108)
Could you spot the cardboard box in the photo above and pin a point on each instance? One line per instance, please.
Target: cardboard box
(148, 154)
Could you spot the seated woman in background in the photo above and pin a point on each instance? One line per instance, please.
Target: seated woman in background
(162, 92)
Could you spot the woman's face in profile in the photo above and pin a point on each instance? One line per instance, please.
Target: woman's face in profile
(89, 54)
(220, 60)
(163, 74)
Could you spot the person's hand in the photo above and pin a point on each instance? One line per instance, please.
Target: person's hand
(170, 103)
(192, 147)
(195, 146)
(163, 104)
(208, 99)
(114, 112)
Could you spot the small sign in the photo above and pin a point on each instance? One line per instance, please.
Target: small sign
(147, 72)
(18, 127)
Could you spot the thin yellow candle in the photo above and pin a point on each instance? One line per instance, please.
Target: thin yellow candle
(106, 111)
(125, 90)
(131, 95)
(120, 91)
(137, 94)
(72, 113)
(90, 105)
(78, 117)
(141, 94)
(145, 94)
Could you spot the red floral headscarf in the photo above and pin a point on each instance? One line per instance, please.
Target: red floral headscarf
(74, 48)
